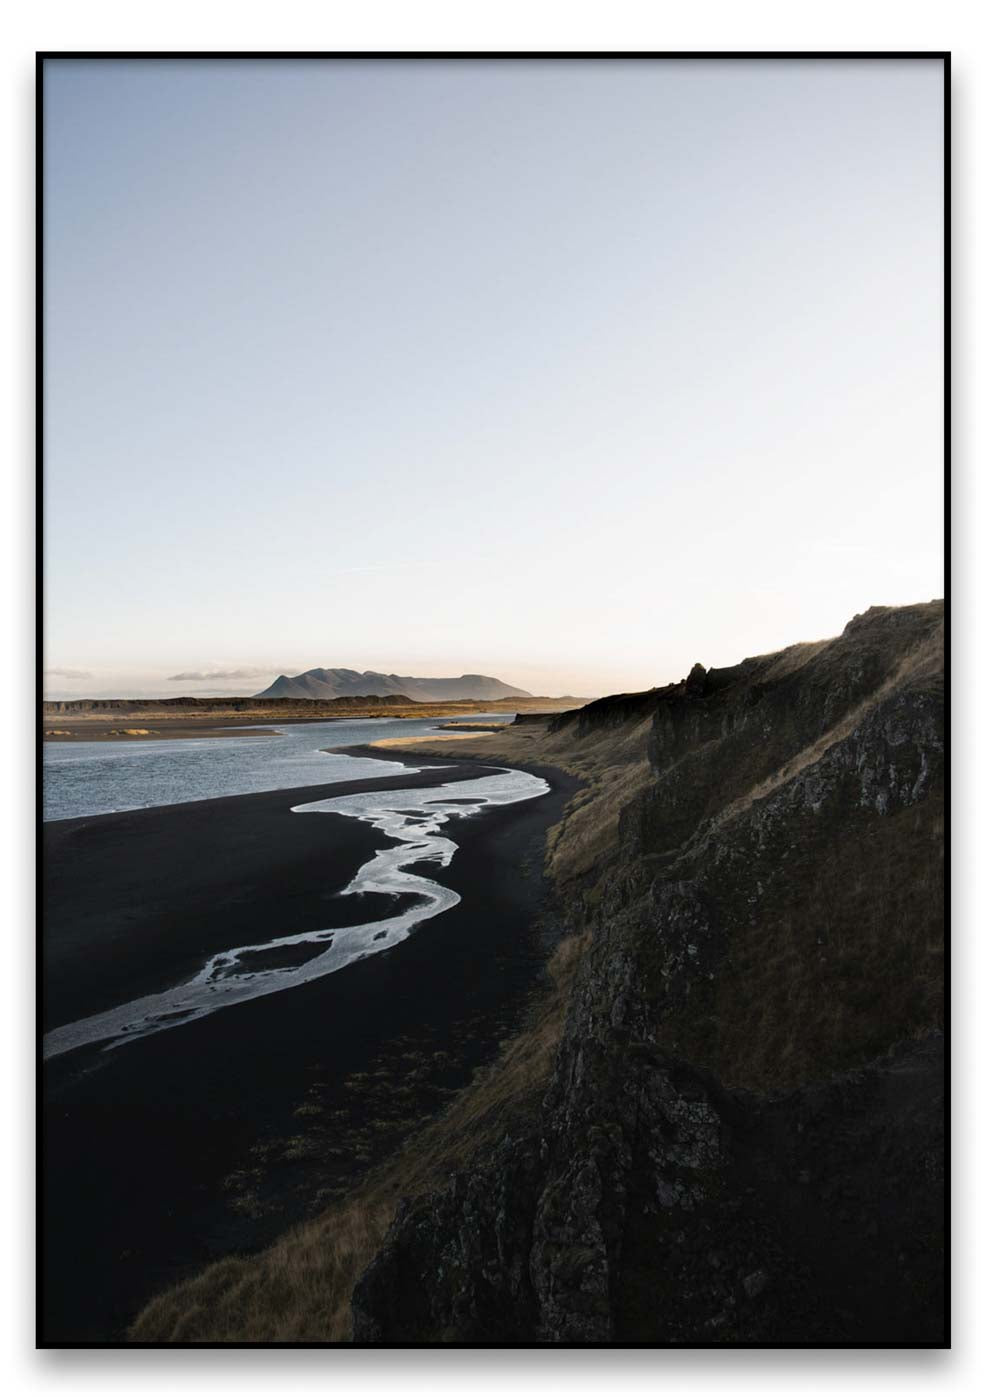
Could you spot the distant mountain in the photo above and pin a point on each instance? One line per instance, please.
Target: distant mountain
(338, 683)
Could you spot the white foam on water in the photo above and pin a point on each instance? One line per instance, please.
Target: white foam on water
(414, 817)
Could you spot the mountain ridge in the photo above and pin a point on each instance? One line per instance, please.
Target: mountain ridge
(339, 682)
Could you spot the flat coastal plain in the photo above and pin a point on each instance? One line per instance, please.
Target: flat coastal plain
(239, 717)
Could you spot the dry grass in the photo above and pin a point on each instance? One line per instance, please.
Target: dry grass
(922, 661)
(611, 761)
(299, 1290)
(845, 956)
(791, 658)
(843, 960)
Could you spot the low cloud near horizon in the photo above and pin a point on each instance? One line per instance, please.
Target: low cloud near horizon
(242, 674)
(67, 673)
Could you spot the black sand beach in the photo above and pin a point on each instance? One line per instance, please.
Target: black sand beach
(216, 1136)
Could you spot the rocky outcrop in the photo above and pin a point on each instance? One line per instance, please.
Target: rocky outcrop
(742, 1140)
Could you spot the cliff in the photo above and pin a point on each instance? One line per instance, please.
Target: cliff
(741, 1141)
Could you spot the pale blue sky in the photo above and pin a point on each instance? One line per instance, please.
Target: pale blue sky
(569, 373)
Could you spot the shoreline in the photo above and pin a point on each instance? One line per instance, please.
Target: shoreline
(177, 731)
(558, 778)
(131, 724)
(242, 1123)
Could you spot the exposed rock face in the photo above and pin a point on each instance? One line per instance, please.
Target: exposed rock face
(742, 1141)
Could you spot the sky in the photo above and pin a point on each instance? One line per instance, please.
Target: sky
(573, 373)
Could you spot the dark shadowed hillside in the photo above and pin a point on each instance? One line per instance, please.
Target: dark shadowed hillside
(726, 1125)
(742, 1138)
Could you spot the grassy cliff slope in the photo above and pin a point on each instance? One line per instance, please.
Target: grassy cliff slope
(731, 1132)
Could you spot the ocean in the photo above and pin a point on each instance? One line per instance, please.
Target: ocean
(89, 779)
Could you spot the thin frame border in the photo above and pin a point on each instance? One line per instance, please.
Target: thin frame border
(501, 55)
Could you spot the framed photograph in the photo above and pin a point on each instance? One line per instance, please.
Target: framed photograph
(492, 720)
